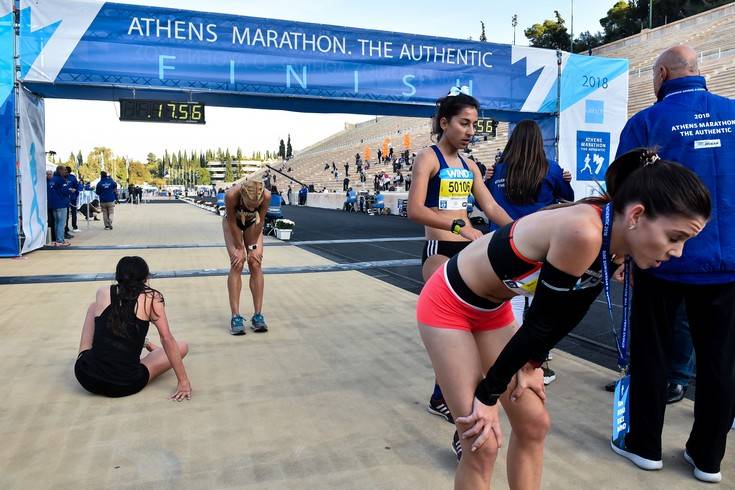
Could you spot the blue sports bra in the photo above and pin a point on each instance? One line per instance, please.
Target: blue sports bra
(450, 187)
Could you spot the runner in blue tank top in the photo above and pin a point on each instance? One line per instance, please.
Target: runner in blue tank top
(442, 182)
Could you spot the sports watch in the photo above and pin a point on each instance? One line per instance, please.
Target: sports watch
(457, 225)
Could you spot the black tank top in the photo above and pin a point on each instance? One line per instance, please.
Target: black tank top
(117, 357)
(519, 273)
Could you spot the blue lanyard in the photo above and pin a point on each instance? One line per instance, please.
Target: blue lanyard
(621, 341)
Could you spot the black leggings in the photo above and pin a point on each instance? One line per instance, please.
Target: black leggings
(711, 313)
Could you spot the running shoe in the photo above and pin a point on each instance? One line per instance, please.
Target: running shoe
(437, 406)
(76, 230)
(618, 445)
(549, 374)
(456, 446)
(702, 475)
(258, 323)
(237, 325)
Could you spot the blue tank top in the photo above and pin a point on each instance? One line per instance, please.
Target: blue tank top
(450, 187)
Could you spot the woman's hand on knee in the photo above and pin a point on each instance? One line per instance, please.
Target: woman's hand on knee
(531, 378)
(238, 258)
(485, 421)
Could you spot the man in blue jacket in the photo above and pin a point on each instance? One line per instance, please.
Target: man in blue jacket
(74, 188)
(691, 126)
(58, 202)
(106, 189)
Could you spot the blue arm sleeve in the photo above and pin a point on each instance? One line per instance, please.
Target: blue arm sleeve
(556, 309)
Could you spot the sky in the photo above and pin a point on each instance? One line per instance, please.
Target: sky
(73, 125)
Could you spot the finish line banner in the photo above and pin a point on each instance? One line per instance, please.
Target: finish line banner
(89, 43)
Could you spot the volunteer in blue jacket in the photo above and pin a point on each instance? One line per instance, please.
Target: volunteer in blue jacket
(58, 202)
(106, 189)
(696, 128)
(74, 188)
(522, 182)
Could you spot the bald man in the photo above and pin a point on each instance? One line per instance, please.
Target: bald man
(691, 126)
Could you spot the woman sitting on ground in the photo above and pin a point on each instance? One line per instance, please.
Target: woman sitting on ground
(114, 334)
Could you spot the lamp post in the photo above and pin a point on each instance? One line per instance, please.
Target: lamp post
(650, 14)
(514, 23)
(571, 40)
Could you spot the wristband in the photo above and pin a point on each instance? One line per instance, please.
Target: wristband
(457, 225)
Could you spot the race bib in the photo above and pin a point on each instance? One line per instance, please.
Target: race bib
(524, 286)
(455, 188)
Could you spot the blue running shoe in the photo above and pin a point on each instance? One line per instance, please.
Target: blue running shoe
(258, 323)
(237, 325)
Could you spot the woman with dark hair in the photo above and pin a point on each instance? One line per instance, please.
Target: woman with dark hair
(441, 184)
(114, 334)
(479, 354)
(524, 181)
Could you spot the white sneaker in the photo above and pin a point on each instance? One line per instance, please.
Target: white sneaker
(702, 475)
(643, 463)
(75, 229)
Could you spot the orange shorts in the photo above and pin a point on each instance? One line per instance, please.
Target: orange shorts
(440, 306)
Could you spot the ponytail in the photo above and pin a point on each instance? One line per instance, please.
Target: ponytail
(131, 275)
(663, 187)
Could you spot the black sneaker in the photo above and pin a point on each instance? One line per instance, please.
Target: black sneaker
(549, 374)
(456, 446)
(437, 406)
(618, 445)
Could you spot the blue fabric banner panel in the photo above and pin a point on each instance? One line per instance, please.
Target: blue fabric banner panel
(111, 44)
(9, 245)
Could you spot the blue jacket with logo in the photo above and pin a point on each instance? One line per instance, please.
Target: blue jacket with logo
(57, 191)
(695, 128)
(553, 188)
(106, 189)
(73, 183)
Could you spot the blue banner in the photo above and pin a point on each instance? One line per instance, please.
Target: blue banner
(209, 54)
(9, 243)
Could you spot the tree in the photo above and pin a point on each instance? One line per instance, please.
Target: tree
(552, 34)
(91, 168)
(622, 20)
(483, 37)
(228, 169)
(139, 173)
(204, 176)
(587, 41)
(282, 150)
(289, 149)
(239, 153)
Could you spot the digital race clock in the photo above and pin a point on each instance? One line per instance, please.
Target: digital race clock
(486, 127)
(161, 111)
